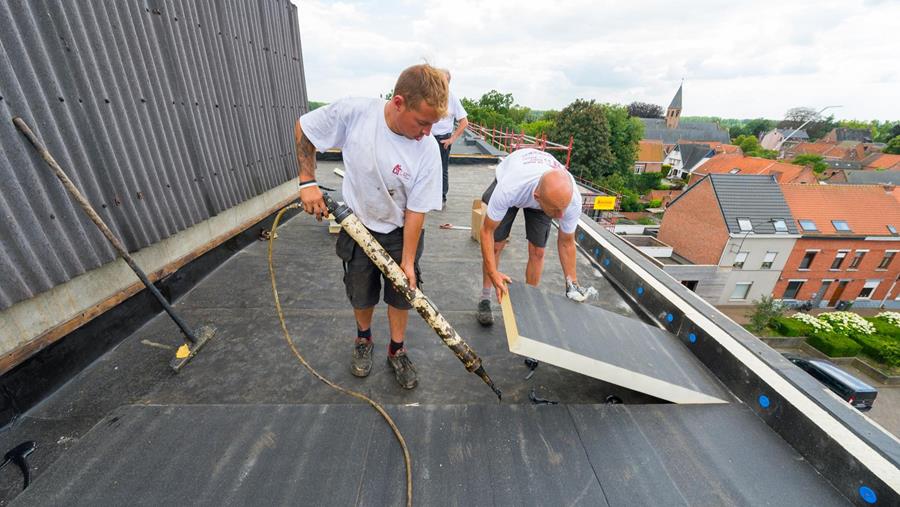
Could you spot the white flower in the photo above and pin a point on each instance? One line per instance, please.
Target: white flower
(892, 317)
(848, 322)
(809, 320)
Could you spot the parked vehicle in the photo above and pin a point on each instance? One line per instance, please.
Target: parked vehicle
(854, 391)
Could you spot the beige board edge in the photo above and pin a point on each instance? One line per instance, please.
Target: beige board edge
(611, 373)
(509, 323)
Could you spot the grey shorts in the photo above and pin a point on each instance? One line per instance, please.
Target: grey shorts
(362, 278)
(537, 223)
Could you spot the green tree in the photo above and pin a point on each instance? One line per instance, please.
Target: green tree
(538, 128)
(893, 146)
(645, 110)
(625, 132)
(751, 148)
(758, 126)
(496, 101)
(586, 122)
(765, 310)
(816, 162)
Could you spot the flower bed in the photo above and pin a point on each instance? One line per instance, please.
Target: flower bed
(848, 323)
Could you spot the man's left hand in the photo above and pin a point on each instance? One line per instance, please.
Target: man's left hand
(447, 142)
(410, 270)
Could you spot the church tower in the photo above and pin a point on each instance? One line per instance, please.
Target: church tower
(674, 111)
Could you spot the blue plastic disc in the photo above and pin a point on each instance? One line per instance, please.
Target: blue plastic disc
(764, 401)
(640, 291)
(867, 494)
(692, 337)
(670, 317)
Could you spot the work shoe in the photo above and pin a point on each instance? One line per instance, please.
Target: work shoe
(484, 315)
(361, 364)
(578, 293)
(404, 370)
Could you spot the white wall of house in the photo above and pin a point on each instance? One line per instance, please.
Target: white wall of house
(754, 250)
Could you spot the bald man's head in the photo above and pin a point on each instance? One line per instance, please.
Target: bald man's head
(554, 192)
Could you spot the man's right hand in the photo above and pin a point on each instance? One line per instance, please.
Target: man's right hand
(311, 197)
(499, 280)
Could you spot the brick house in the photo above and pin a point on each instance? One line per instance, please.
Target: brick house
(847, 246)
(650, 156)
(739, 226)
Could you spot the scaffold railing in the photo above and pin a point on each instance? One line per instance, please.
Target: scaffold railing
(508, 140)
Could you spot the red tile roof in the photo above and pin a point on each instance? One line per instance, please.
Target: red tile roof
(717, 146)
(867, 209)
(650, 150)
(883, 161)
(784, 172)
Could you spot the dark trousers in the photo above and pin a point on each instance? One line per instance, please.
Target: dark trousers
(445, 163)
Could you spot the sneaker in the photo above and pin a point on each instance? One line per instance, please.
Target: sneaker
(578, 293)
(361, 364)
(404, 370)
(484, 315)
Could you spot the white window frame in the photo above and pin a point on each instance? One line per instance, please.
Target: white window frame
(843, 259)
(741, 225)
(739, 264)
(855, 255)
(870, 284)
(767, 260)
(749, 285)
(886, 252)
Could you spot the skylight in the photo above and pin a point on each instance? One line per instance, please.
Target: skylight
(734, 171)
(892, 229)
(745, 224)
(840, 225)
(808, 225)
(779, 224)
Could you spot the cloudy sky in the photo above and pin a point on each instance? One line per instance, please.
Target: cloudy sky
(737, 59)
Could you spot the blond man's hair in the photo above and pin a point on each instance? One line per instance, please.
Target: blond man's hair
(423, 82)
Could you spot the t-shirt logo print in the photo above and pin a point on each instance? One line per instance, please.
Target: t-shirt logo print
(400, 173)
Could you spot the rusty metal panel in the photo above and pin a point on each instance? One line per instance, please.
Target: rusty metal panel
(164, 112)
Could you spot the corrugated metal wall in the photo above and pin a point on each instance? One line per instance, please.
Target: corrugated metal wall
(164, 113)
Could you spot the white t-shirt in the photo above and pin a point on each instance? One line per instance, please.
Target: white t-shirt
(386, 173)
(455, 111)
(518, 176)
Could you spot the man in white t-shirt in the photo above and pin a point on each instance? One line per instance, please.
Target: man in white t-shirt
(445, 135)
(537, 183)
(392, 178)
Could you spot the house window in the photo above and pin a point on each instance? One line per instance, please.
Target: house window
(868, 289)
(740, 259)
(741, 290)
(808, 259)
(734, 171)
(780, 226)
(768, 260)
(639, 168)
(745, 224)
(808, 225)
(839, 259)
(886, 260)
(857, 259)
(840, 225)
(892, 229)
(793, 287)
(690, 284)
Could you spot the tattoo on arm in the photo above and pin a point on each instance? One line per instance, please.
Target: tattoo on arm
(306, 155)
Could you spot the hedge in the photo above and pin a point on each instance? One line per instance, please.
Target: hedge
(791, 327)
(834, 345)
(885, 328)
(879, 347)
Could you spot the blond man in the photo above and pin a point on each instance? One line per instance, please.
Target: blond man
(392, 178)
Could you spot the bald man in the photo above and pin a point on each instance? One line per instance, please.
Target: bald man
(542, 187)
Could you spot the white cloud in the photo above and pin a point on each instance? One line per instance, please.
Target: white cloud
(738, 59)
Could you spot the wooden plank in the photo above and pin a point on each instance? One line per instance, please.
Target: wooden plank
(16, 356)
(604, 345)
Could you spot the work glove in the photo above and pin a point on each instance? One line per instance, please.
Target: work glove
(578, 293)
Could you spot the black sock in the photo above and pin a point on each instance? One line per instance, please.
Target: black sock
(366, 335)
(394, 347)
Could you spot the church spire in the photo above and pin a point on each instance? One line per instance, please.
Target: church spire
(674, 112)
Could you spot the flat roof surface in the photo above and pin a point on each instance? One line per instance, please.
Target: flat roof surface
(245, 422)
